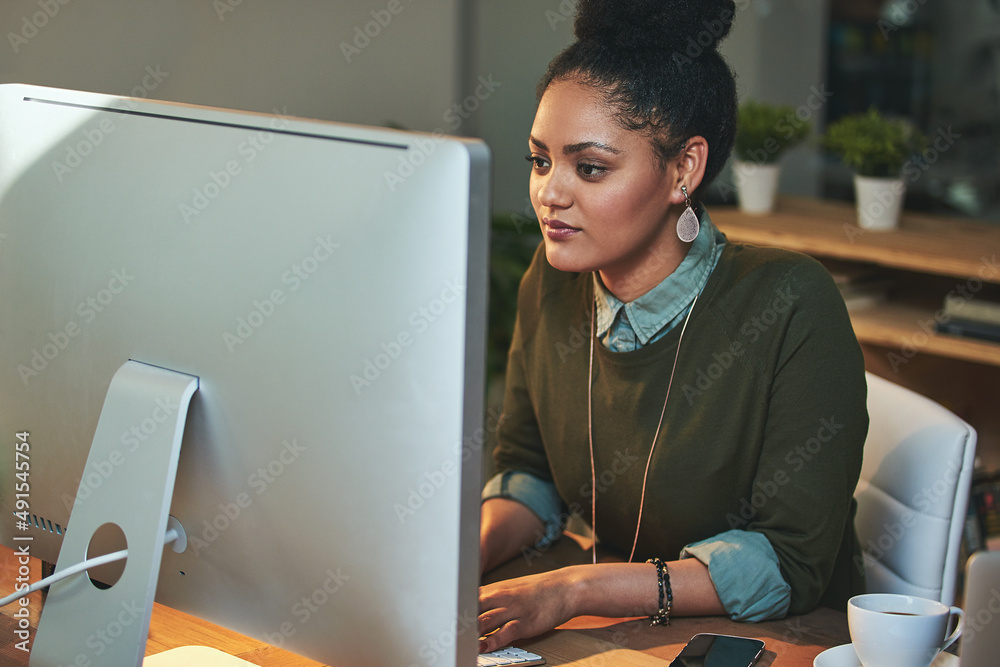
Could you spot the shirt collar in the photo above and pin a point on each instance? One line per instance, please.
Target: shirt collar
(654, 309)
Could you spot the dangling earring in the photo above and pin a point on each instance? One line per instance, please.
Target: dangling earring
(687, 225)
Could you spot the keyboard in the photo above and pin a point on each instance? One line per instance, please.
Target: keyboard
(509, 656)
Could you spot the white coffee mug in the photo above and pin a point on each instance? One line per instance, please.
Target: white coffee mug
(890, 630)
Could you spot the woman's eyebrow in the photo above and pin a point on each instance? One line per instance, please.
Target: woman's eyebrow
(570, 149)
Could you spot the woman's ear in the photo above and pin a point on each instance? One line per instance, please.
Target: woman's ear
(690, 167)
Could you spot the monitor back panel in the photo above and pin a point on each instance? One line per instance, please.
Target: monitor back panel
(327, 284)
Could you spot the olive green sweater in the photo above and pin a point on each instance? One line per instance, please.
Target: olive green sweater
(763, 429)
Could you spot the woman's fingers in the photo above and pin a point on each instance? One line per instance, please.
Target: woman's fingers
(505, 635)
(518, 608)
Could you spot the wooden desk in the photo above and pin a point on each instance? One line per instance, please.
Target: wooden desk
(583, 642)
(168, 628)
(172, 629)
(590, 641)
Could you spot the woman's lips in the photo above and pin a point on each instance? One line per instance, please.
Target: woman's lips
(557, 229)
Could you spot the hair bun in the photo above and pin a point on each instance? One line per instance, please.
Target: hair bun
(665, 24)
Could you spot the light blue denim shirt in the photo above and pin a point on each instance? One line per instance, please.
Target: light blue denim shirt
(624, 327)
(621, 327)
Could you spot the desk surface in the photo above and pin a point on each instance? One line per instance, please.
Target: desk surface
(584, 641)
(592, 641)
(792, 642)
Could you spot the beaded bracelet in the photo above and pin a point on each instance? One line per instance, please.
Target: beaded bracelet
(662, 617)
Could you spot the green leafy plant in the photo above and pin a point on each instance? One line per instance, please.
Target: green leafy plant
(874, 145)
(765, 131)
(513, 244)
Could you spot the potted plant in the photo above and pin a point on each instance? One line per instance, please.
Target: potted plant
(763, 133)
(876, 148)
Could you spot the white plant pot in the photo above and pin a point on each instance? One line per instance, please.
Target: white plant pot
(879, 201)
(756, 186)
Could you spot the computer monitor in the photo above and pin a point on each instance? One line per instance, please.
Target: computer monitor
(326, 285)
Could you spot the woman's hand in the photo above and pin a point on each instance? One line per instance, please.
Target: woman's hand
(526, 606)
(529, 606)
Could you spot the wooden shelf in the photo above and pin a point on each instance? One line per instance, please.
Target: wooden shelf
(926, 244)
(897, 325)
(965, 250)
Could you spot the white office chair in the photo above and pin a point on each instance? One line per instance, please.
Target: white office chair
(913, 493)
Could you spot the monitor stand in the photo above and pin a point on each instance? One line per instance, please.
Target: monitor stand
(132, 489)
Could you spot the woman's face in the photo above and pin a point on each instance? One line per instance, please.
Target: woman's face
(603, 202)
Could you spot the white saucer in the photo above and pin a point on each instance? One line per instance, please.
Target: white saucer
(844, 656)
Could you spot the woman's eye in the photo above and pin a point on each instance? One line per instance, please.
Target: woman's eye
(536, 161)
(591, 169)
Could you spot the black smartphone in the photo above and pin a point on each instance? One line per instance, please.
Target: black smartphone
(710, 650)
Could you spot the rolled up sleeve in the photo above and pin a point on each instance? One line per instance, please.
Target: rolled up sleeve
(746, 574)
(537, 495)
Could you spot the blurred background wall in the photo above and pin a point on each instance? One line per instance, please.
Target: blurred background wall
(470, 67)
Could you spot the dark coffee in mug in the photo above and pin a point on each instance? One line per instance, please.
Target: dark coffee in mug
(895, 630)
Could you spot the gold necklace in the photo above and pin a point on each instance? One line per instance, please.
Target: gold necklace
(590, 429)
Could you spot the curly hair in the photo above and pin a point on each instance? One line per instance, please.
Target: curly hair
(658, 65)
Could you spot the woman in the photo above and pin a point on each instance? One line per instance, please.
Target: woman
(710, 428)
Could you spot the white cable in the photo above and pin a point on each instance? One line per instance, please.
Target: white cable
(170, 536)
